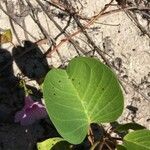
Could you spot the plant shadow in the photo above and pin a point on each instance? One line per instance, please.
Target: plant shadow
(30, 60)
(12, 96)
(11, 93)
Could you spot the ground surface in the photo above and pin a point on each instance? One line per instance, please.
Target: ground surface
(122, 36)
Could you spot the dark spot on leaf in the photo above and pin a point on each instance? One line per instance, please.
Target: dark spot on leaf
(102, 89)
(73, 79)
(59, 81)
(78, 82)
(54, 94)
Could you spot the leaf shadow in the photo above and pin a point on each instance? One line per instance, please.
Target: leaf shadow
(31, 61)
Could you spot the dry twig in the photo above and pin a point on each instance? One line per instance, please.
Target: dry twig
(1, 7)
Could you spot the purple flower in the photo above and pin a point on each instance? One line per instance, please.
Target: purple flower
(31, 112)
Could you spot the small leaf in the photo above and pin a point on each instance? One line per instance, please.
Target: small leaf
(127, 126)
(6, 37)
(86, 92)
(53, 144)
(138, 140)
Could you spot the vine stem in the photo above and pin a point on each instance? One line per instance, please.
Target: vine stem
(90, 136)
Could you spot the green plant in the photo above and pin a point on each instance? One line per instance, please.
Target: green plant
(139, 140)
(86, 92)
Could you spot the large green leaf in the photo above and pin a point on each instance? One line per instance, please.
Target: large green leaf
(138, 140)
(86, 92)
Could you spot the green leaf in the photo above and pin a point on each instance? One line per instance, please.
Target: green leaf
(53, 144)
(86, 92)
(138, 140)
(127, 126)
(121, 147)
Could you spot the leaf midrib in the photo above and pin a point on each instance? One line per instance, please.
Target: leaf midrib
(80, 99)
